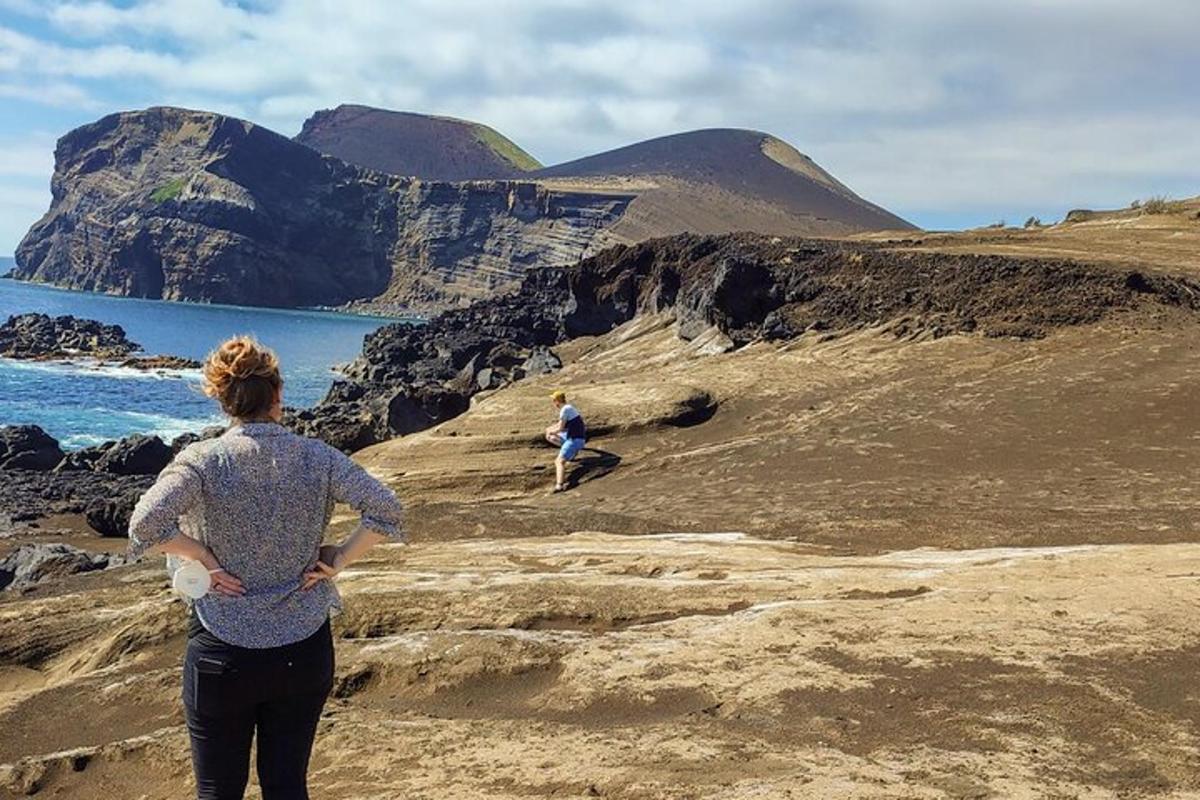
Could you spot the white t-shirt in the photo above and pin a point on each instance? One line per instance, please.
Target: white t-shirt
(574, 430)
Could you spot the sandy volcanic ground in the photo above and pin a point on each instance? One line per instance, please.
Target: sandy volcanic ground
(870, 565)
(1168, 241)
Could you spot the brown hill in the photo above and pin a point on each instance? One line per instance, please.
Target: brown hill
(707, 181)
(416, 145)
(720, 181)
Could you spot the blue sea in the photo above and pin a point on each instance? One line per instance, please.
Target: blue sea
(80, 405)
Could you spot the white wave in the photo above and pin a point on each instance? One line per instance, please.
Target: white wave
(164, 426)
(81, 440)
(108, 370)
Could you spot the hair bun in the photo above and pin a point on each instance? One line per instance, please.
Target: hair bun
(243, 375)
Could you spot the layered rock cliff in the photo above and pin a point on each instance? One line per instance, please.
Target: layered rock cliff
(188, 205)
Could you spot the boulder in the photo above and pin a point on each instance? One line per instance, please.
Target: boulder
(409, 411)
(28, 447)
(135, 455)
(31, 564)
(184, 439)
(109, 516)
(489, 378)
(346, 426)
(737, 296)
(541, 361)
(84, 458)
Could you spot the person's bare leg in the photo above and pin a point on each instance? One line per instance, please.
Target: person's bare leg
(560, 467)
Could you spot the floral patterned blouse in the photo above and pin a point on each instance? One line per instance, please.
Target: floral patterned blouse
(260, 497)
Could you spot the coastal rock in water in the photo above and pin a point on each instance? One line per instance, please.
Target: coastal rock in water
(84, 458)
(31, 564)
(39, 336)
(28, 447)
(135, 455)
(184, 439)
(153, 363)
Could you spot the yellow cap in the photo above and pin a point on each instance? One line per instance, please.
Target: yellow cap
(558, 396)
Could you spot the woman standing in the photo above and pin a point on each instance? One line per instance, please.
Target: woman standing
(252, 506)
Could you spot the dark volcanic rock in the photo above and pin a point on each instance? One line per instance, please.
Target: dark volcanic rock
(184, 439)
(109, 516)
(84, 458)
(31, 564)
(102, 482)
(160, 362)
(29, 495)
(37, 336)
(135, 455)
(188, 205)
(541, 361)
(28, 447)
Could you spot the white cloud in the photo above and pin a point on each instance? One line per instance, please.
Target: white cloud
(30, 156)
(191, 21)
(58, 94)
(1018, 167)
(917, 104)
(20, 207)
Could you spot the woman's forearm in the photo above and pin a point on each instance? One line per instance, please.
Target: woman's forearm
(357, 543)
(186, 547)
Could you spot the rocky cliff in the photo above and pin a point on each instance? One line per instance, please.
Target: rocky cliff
(188, 205)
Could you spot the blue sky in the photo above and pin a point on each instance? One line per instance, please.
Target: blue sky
(951, 113)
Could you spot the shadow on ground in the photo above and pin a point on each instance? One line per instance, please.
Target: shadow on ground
(589, 468)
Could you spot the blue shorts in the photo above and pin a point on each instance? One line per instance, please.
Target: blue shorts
(570, 448)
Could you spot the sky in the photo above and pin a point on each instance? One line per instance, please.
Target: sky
(951, 113)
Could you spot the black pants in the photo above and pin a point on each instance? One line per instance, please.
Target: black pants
(230, 692)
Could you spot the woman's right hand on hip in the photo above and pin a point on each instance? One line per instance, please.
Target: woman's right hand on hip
(330, 562)
(222, 581)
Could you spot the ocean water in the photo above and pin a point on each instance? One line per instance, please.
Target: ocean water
(80, 404)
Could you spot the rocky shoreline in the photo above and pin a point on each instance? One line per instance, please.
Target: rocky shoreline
(101, 483)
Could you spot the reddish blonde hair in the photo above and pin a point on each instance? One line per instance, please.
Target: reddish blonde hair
(243, 376)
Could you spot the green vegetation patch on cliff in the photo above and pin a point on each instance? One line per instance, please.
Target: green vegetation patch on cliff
(505, 148)
(168, 191)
